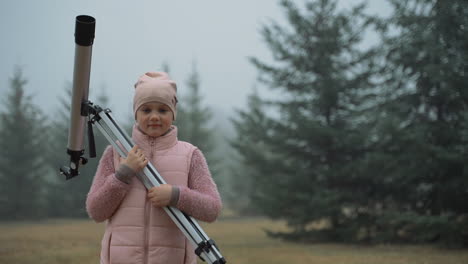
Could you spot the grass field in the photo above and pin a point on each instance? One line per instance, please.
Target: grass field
(240, 241)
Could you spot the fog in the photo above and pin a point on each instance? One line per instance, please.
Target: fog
(133, 37)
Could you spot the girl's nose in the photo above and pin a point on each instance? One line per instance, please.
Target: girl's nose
(154, 116)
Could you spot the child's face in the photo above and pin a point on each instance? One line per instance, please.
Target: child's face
(154, 118)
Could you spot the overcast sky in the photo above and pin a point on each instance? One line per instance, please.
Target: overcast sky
(133, 37)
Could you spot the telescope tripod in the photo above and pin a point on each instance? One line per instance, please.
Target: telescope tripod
(205, 247)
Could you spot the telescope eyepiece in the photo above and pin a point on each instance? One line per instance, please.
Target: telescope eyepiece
(84, 30)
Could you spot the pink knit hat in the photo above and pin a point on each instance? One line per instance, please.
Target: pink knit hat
(155, 87)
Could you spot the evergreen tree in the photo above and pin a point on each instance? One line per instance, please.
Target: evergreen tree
(305, 160)
(166, 67)
(193, 122)
(250, 125)
(22, 169)
(421, 145)
(61, 200)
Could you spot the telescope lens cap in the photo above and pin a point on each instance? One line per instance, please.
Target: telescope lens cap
(84, 30)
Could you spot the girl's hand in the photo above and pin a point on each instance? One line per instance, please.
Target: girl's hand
(160, 196)
(136, 160)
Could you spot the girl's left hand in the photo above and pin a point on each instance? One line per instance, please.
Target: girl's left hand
(160, 196)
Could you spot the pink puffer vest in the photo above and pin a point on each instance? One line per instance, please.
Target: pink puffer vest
(138, 232)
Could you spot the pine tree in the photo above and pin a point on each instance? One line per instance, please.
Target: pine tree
(61, 200)
(58, 196)
(194, 121)
(305, 161)
(250, 125)
(22, 169)
(421, 126)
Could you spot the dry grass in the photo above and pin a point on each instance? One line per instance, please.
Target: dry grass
(240, 241)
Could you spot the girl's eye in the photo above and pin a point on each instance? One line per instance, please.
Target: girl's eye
(146, 110)
(162, 110)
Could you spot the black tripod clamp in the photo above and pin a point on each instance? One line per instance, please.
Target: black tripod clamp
(206, 246)
(76, 158)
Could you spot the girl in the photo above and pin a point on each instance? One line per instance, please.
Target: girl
(137, 229)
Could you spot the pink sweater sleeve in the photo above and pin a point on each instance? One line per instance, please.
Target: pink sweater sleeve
(200, 199)
(106, 192)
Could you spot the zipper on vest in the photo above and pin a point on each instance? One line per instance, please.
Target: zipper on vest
(151, 149)
(148, 215)
(146, 230)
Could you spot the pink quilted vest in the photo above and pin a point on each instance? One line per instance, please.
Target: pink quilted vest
(138, 232)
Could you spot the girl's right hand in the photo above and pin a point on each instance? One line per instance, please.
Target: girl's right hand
(136, 160)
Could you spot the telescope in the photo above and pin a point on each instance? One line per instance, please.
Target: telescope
(84, 38)
(82, 109)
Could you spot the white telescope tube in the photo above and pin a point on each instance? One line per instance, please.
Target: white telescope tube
(84, 37)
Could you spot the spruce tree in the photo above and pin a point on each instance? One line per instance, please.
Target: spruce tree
(59, 198)
(421, 126)
(67, 198)
(194, 121)
(22, 169)
(304, 165)
(250, 125)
